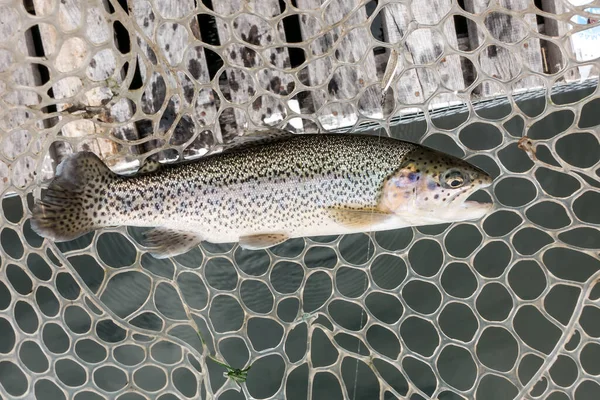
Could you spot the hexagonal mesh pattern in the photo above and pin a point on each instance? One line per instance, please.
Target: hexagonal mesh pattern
(506, 307)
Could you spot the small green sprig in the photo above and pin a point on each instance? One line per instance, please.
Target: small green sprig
(235, 374)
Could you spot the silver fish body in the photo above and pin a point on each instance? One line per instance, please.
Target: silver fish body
(261, 195)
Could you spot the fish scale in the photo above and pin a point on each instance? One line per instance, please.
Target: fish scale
(263, 194)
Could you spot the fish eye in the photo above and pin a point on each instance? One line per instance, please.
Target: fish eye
(453, 179)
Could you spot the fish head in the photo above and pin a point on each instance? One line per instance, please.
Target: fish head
(431, 187)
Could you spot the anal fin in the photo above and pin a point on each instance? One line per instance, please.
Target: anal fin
(164, 243)
(361, 218)
(262, 241)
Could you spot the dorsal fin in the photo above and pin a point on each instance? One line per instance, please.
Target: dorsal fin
(149, 165)
(248, 139)
(254, 138)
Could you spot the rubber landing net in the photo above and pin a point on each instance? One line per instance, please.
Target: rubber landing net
(502, 308)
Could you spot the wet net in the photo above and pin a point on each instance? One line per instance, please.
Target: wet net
(502, 308)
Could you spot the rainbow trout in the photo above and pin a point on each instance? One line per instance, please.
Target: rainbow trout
(263, 194)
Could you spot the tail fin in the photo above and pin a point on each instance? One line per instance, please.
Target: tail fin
(66, 209)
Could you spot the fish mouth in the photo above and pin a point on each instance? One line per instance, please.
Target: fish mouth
(475, 199)
(483, 205)
(473, 210)
(478, 201)
(467, 210)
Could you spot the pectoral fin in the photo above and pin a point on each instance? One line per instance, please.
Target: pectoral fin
(264, 241)
(166, 243)
(361, 218)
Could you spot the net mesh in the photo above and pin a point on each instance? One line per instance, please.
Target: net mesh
(506, 307)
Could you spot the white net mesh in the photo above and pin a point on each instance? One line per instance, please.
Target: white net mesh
(507, 307)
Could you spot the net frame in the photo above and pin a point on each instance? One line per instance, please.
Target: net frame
(62, 93)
